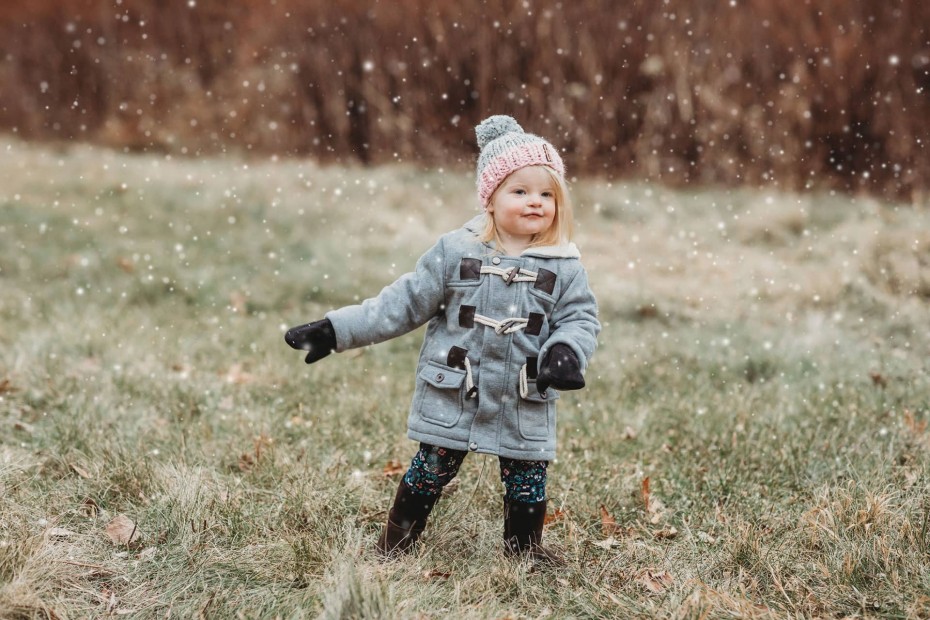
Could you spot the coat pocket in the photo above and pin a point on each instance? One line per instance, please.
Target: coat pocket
(536, 413)
(440, 398)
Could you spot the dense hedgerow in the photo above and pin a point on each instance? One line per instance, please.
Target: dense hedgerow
(793, 94)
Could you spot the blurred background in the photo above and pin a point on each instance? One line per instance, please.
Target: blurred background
(789, 93)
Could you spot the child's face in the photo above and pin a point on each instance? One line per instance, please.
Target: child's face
(524, 204)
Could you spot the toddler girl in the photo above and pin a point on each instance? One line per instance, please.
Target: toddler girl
(511, 320)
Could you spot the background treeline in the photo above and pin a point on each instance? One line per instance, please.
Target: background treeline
(787, 92)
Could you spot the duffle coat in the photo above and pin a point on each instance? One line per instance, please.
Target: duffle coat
(492, 319)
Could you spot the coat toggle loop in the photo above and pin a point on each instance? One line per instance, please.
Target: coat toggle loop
(506, 326)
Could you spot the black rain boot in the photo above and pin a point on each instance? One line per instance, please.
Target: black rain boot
(406, 521)
(523, 527)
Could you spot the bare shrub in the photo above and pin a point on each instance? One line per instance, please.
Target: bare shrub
(794, 94)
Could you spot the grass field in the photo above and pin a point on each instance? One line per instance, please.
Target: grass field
(752, 443)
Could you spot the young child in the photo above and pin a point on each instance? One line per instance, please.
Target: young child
(510, 318)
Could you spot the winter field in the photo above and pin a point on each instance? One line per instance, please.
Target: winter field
(752, 443)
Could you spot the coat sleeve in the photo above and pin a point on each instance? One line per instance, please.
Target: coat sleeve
(574, 320)
(410, 301)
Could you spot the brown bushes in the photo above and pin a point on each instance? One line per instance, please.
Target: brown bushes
(784, 92)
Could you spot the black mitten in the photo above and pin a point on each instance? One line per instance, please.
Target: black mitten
(318, 338)
(560, 369)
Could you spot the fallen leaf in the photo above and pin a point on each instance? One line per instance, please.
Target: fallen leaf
(656, 506)
(393, 467)
(260, 442)
(666, 533)
(450, 489)
(22, 426)
(122, 531)
(237, 300)
(80, 471)
(645, 493)
(436, 574)
(608, 523)
(707, 538)
(147, 554)
(237, 375)
(556, 515)
(878, 379)
(629, 433)
(90, 508)
(125, 264)
(607, 543)
(655, 580)
(60, 532)
(6, 387)
(911, 422)
(246, 462)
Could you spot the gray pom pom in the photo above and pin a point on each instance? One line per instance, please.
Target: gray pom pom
(494, 127)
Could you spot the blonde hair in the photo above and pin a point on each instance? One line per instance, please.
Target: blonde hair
(563, 224)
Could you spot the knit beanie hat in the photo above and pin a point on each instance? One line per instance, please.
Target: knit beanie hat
(505, 147)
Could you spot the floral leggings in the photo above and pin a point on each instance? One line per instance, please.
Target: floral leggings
(433, 468)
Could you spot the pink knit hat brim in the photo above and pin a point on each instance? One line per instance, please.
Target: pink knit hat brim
(523, 155)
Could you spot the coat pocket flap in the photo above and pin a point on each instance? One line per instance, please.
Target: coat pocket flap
(442, 377)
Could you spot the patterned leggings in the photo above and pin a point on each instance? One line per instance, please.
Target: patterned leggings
(433, 468)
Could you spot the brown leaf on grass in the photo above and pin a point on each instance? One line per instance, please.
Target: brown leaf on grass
(260, 442)
(552, 517)
(666, 533)
(80, 471)
(89, 508)
(629, 433)
(22, 426)
(645, 493)
(237, 375)
(450, 489)
(394, 467)
(183, 369)
(125, 264)
(706, 538)
(436, 574)
(655, 580)
(878, 379)
(608, 523)
(237, 301)
(6, 387)
(607, 543)
(916, 427)
(657, 510)
(110, 597)
(122, 531)
(246, 462)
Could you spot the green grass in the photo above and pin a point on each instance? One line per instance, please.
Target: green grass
(764, 363)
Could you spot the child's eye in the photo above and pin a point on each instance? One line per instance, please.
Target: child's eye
(519, 191)
(548, 194)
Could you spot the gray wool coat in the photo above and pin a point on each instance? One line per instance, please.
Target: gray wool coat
(489, 327)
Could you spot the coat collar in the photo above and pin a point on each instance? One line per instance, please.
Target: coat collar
(566, 250)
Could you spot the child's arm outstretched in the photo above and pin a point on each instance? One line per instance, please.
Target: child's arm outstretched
(410, 301)
(565, 354)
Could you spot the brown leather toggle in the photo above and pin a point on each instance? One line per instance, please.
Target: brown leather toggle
(513, 274)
